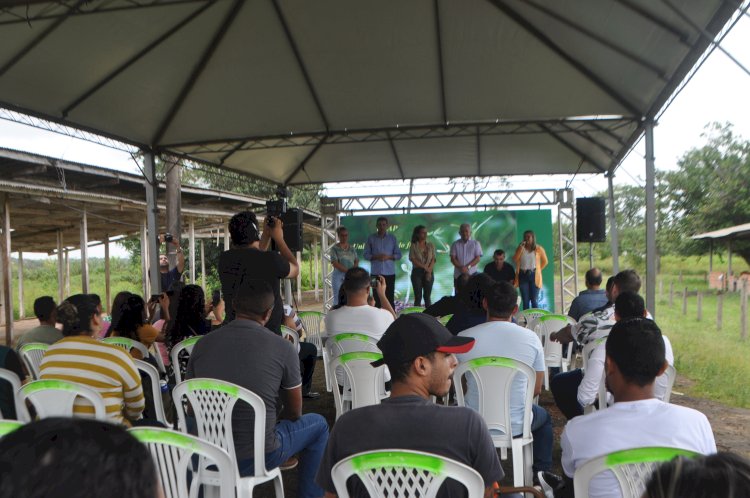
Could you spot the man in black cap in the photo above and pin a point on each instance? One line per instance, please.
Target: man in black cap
(420, 354)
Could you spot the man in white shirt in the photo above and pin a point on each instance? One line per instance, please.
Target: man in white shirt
(356, 315)
(500, 337)
(465, 253)
(635, 356)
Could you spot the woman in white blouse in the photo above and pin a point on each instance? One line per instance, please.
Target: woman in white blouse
(530, 260)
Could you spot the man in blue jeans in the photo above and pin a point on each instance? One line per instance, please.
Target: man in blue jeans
(246, 353)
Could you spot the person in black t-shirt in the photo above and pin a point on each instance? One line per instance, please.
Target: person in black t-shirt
(499, 270)
(249, 258)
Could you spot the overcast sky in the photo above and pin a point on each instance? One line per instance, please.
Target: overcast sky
(718, 92)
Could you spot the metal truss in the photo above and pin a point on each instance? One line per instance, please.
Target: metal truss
(331, 208)
(27, 12)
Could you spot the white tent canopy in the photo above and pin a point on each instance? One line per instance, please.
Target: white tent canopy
(300, 91)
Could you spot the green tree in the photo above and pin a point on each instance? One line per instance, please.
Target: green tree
(709, 191)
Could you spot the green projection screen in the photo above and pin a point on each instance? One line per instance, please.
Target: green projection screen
(493, 229)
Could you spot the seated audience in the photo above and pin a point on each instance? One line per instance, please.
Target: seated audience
(132, 324)
(9, 360)
(634, 358)
(722, 475)
(75, 458)
(590, 299)
(500, 337)
(449, 305)
(190, 318)
(79, 357)
(45, 332)
(357, 315)
(592, 326)
(246, 353)
(418, 350)
(308, 353)
(470, 311)
(115, 312)
(499, 269)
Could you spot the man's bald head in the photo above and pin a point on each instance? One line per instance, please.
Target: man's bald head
(593, 278)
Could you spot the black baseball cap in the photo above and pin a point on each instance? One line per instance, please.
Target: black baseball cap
(417, 334)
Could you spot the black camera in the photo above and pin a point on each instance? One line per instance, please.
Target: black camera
(274, 209)
(374, 281)
(168, 237)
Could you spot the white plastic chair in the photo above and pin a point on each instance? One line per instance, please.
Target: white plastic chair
(494, 377)
(212, 402)
(173, 453)
(184, 345)
(367, 383)
(11, 378)
(344, 342)
(56, 398)
(524, 317)
(153, 375)
(631, 467)
(544, 325)
(8, 426)
(312, 322)
(412, 309)
(31, 355)
(588, 349)
(127, 344)
(404, 473)
(291, 336)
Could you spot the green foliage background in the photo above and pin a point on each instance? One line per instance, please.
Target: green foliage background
(493, 229)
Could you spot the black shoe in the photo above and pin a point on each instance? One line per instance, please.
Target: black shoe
(311, 395)
(549, 482)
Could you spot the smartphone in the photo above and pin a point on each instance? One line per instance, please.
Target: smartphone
(215, 297)
(374, 282)
(154, 298)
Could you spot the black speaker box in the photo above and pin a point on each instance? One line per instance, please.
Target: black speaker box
(293, 229)
(591, 219)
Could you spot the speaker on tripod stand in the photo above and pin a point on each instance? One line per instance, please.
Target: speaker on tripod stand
(591, 222)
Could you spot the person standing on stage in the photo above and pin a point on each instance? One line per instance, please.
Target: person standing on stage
(343, 257)
(422, 256)
(382, 250)
(499, 269)
(465, 253)
(530, 260)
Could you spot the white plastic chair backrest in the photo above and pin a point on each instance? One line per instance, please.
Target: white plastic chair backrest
(56, 398)
(22, 414)
(588, 349)
(290, 335)
(155, 353)
(632, 468)
(571, 321)
(173, 452)
(367, 383)
(445, 319)
(184, 345)
(347, 342)
(153, 375)
(494, 377)
(543, 326)
(412, 309)
(671, 374)
(404, 473)
(127, 344)
(32, 354)
(212, 402)
(312, 322)
(524, 317)
(8, 426)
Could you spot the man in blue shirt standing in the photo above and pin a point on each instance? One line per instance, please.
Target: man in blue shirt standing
(590, 299)
(382, 250)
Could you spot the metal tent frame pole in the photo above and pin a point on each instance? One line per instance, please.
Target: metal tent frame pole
(329, 222)
(152, 230)
(650, 220)
(567, 245)
(613, 235)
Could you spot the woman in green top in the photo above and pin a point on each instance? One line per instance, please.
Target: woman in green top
(343, 257)
(422, 256)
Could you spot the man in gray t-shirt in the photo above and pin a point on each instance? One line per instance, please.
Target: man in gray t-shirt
(45, 310)
(419, 352)
(246, 353)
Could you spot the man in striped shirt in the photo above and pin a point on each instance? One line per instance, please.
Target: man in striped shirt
(80, 358)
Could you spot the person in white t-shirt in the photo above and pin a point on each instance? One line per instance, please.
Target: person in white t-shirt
(627, 305)
(356, 315)
(500, 337)
(634, 358)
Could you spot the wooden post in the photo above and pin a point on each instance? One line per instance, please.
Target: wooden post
(661, 286)
(299, 278)
(317, 266)
(203, 265)
(700, 306)
(191, 237)
(671, 294)
(5, 255)
(719, 310)
(60, 268)
(743, 310)
(107, 275)
(144, 262)
(680, 276)
(21, 307)
(226, 236)
(84, 252)
(67, 272)
(684, 301)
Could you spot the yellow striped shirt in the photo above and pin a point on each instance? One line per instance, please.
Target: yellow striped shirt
(106, 368)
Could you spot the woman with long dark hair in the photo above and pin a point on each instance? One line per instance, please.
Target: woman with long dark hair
(422, 257)
(190, 316)
(530, 260)
(132, 323)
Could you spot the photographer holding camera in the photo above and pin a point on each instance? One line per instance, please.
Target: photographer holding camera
(250, 259)
(168, 277)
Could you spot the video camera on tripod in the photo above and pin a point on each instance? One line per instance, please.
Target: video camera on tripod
(277, 207)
